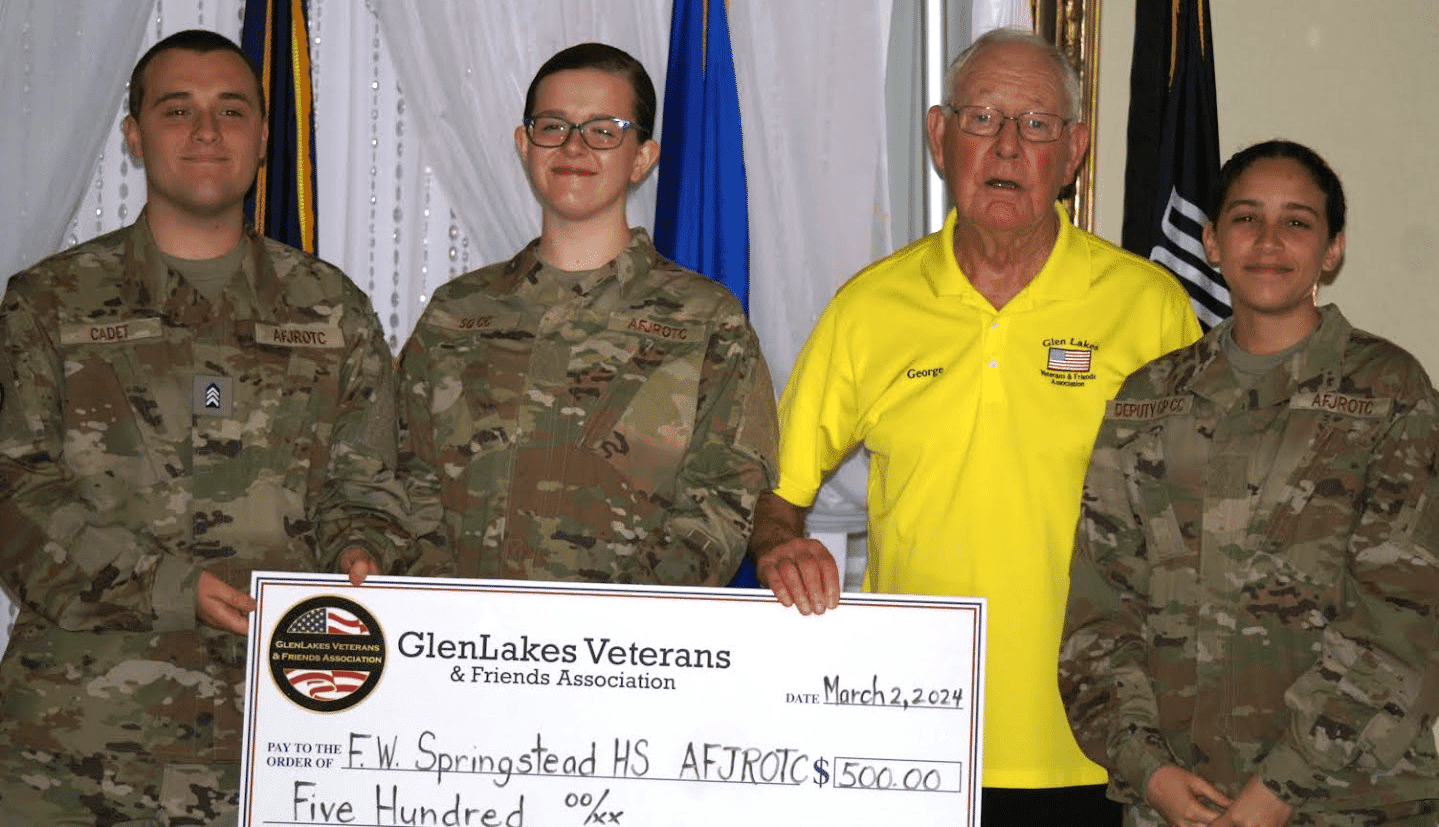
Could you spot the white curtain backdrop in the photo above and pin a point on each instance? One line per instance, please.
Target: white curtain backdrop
(384, 217)
(811, 80)
(465, 68)
(61, 64)
(992, 14)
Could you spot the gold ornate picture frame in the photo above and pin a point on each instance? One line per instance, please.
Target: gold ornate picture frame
(1074, 26)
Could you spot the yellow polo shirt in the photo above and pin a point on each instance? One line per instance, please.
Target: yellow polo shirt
(979, 424)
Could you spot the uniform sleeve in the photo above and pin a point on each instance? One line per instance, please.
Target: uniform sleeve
(126, 579)
(1103, 666)
(729, 460)
(1180, 326)
(818, 412)
(362, 502)
(419, 460)
(1363, 704)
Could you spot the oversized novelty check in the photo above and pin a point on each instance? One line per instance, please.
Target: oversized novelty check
(484, 703)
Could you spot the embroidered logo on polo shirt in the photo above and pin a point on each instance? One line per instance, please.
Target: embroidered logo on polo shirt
(1068, 361)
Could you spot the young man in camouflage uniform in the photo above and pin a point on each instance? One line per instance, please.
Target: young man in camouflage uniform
(184, 402)
(587, 410)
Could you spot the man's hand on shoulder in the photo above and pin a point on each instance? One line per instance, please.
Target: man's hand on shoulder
(221, 606)
(801, 572)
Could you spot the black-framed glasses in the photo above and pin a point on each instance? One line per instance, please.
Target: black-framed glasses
(986, 121)
(597, 133)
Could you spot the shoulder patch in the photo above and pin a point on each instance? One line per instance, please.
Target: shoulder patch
(1364, 407)
(110, 332)
(299, 335)
(672, 331)
(1137, 410)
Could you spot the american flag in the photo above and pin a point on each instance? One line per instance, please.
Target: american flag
(1069, 360)
(327, 620)
(326, 684)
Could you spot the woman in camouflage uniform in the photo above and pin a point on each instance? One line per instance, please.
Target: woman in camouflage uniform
(1252, 636)
(588, 410)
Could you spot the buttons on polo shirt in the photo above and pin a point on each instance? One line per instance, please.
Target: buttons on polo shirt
(993, 364)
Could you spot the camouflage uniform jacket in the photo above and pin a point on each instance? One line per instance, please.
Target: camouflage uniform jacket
(620, 435)
(118, 488)
(1255, 587)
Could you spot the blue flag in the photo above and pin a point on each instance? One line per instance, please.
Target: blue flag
(276, 39)
(1174, 148)
(701, 208)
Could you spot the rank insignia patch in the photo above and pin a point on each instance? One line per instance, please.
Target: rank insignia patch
(212, 396)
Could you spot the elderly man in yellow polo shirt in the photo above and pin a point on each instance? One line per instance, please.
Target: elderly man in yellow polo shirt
(974, 365)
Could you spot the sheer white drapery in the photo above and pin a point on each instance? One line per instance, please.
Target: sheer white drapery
(465, 68)
(812, 95)
(383, 218)
(61, 65)
(992, 14)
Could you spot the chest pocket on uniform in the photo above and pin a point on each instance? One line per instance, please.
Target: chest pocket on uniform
(644, 418)
(122, 413)
(293, 392)
(1314, 497)
(263, 462)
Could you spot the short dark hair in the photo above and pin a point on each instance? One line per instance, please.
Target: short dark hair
(606, 58)
(190, 40)
(1323, 176)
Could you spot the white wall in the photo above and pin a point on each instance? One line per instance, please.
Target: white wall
(1359, 83)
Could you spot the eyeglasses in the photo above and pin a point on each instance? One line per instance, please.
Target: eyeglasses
(986, 121)
(597, 133)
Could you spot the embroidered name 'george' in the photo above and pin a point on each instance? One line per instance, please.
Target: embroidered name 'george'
(923, 374)
(1148, 408)
(299, 335)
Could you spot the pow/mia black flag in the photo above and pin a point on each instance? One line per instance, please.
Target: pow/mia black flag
(1174, 147)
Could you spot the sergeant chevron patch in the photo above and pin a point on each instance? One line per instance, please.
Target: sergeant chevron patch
(212, 396)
